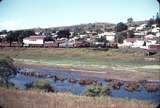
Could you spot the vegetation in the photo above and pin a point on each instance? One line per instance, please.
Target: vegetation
(121, 62)
(17, 36)
(97, 90)
(63, 34)
(121, 36)
(7, 70)
(130, 20)
(130, 34)
(42, 85)
(121, 27)
(34, 99)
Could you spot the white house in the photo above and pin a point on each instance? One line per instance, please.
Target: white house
(34, 40)
(133, 43)
(156, 30)
(150, 37)
(110, 36)
(3, 35)
(138, 43)
(141, 27)
(128, 42)
(131, 28)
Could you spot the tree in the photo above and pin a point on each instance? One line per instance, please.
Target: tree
(64, 34)
(130, 34)
(157, 20)
(3, 32)
(151, 22)
(130, 20)
(120, 36)
(121, 27)
(10, 37)
(23, 34)
(159, 6)
(18, 35)
(7, 70)
(49, 38)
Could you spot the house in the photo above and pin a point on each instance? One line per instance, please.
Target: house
(110, 36)
(3, 36)
(34, 40)
(156, 30)
(141, 27)
(150, 37)
(133, 43)
(131, 28)
(128, 42)
(138, 43)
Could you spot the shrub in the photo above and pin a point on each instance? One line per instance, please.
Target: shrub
(43, 85)
(7, 70)
(96, 90)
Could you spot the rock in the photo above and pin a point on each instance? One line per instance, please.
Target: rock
(72, 80)
(131, 85)
(85, 82)
(116, 84)
(151, 86)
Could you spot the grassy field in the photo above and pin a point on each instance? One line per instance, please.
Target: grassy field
(116, 60)
(122, 63)
(10, 98)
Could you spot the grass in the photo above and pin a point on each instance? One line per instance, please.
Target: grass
(97, 90)
(126, 60)
(10, 98)
(79, 56)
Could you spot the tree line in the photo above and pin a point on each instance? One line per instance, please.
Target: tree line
(16, 36)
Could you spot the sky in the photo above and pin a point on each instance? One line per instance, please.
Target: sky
(24, 14)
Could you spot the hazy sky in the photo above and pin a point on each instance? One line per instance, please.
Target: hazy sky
(20, 14)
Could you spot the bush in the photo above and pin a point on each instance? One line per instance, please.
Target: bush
(95, 90)
(7, 69)
(43, 85)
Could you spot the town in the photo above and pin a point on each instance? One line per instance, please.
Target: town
(80, 54)
(145, 35)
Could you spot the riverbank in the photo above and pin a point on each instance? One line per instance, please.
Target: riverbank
(125, 64)
(106, 74)
(35, 99)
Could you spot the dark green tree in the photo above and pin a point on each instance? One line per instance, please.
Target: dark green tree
(120, 27)
(3, 32)
(157, 20)
(10, 37)
(7, 70)
(130, 34)
(120, 36)
(130, 20)
(63, 34)
(159, 6)
(23, 34)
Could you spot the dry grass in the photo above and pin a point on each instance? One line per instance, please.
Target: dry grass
(35, 99)
(70, 52)
(121, 63)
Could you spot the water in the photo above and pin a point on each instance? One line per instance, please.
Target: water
(65, 86)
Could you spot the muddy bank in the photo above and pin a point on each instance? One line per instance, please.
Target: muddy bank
(107, 74)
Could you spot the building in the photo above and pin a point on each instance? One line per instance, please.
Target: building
(110, 36)
(3, 36)
(34, 40)
(141, 27)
